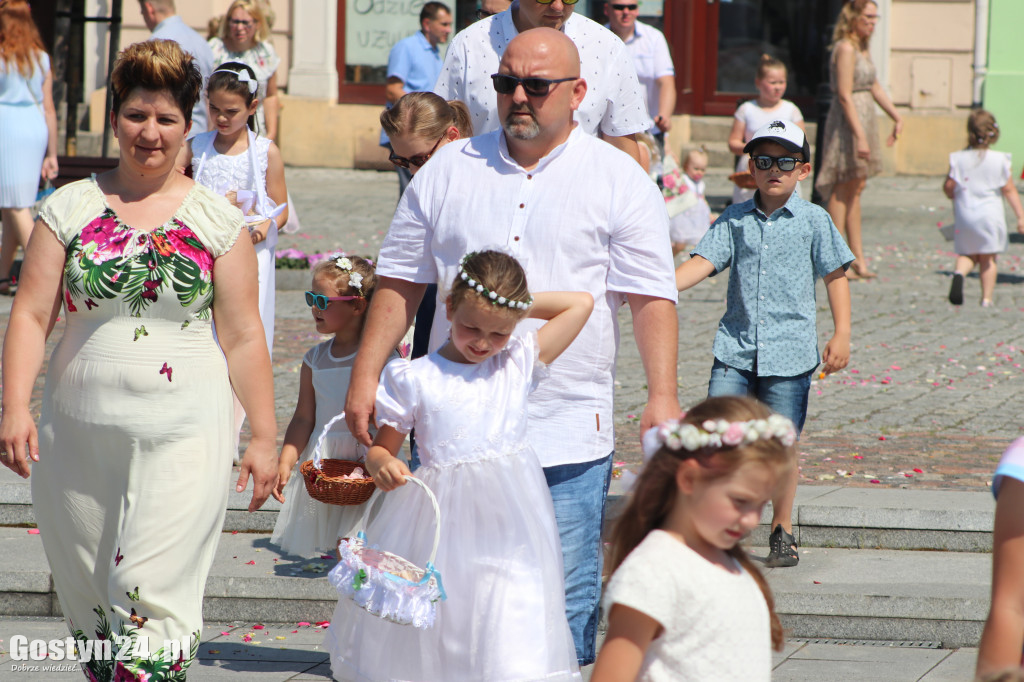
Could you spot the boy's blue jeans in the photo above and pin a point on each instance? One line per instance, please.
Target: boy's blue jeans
(785, 395)
(579, 492)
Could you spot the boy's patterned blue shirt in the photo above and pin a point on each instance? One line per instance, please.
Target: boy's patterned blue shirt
(769, 321)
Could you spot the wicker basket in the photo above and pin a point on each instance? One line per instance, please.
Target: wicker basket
(323, 477)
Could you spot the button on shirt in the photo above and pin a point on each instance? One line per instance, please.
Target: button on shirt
(769, 322)
(587, 218)
(652, 60)
(416, 63)
(614, 103)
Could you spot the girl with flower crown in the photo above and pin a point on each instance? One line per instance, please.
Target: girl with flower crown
(341, 292)
(685, 601)
(499, 555)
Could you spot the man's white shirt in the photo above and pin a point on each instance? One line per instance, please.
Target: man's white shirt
(587, 218)
(614, 103)
(652, 59)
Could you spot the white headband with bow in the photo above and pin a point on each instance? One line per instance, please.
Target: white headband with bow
(243, 77)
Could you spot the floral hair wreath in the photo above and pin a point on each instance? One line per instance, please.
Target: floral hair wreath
(716, 433)
(492, 296)
(243, 77)
(355, 280)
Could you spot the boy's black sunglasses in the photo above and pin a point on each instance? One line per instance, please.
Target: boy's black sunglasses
(535, 87)
(785, 163)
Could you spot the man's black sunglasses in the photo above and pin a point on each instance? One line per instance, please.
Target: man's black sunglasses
(535, 87)
(631, 8)
(785, 163)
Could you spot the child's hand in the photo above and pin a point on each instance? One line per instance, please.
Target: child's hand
(837, 353)
(1020, 225)
(391, 475)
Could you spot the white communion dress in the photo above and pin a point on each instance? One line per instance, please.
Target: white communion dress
(246, 172)
(305, 526)
(499, 555)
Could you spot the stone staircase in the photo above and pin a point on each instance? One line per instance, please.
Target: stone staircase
(713, 133)
(875, 564)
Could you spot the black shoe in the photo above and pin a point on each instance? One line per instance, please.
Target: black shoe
(956, 289)
(782, 549)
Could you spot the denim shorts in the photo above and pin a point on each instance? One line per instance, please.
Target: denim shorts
(578, 492)
(785, 395)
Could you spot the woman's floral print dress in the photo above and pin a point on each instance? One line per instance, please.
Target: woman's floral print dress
(135, 437)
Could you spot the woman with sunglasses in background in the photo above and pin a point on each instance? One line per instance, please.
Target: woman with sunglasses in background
(851, 152)
(245, 37)
(342, 288)
(418, 125)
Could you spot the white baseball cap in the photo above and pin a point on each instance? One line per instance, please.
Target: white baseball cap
(785, 133)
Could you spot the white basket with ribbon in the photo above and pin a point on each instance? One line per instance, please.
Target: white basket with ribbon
(385, 584)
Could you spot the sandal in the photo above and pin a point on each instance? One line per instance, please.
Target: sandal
(956, 289)
(782, 549)
(8, 286)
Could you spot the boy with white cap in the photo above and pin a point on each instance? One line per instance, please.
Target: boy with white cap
(776, 245)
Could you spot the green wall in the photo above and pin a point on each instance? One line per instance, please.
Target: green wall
(1003, 92)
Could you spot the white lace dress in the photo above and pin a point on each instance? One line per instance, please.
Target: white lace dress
(305, 526)
(223, 173)
(499, 556)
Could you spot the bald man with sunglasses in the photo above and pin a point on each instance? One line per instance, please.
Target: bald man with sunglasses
(579, 216)
(614, 105)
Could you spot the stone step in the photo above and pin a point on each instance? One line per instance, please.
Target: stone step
(824, 516)
(832, 593)
(884, 595)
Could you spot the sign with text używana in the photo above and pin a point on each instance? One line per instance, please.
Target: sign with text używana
(372, 27)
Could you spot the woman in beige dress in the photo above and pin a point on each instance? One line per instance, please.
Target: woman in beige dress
(851, 152)
(132, 457)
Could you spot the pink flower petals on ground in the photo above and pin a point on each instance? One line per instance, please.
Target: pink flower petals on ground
(33, 531)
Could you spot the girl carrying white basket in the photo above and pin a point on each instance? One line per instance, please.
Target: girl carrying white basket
(504, 617)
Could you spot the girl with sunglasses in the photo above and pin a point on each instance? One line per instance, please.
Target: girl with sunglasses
(419, 124)
(340, 295)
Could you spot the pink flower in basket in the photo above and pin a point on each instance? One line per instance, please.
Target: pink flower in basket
(668, 181)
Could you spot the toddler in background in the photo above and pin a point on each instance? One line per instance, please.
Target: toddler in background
(688, 227)
(768, 106)
(340, 294)
(685, 601)
(979, 178)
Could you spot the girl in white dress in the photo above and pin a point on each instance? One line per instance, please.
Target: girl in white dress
(499, 555)
(978, 178)
(685, 601)
(342, 288)
(232, 161)
(756, 113)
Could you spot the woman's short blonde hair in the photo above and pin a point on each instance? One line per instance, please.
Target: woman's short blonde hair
(156, 65)
(255, 10)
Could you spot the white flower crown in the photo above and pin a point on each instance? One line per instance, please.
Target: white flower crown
(243, 77)
(716, 433)
(355, 280)
(492, 296)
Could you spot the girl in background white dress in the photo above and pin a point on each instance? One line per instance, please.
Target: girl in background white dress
(233, 161)
(499, 555)
(685, 601)
(342, 288)
(756, 113)
(977, 177)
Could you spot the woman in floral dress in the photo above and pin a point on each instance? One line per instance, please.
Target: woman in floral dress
(132, 457)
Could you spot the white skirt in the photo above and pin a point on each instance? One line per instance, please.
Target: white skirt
(501, 566)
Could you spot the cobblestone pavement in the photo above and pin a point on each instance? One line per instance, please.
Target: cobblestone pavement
(930, 396)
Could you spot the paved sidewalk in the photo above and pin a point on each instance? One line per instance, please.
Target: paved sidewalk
(293, 653)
